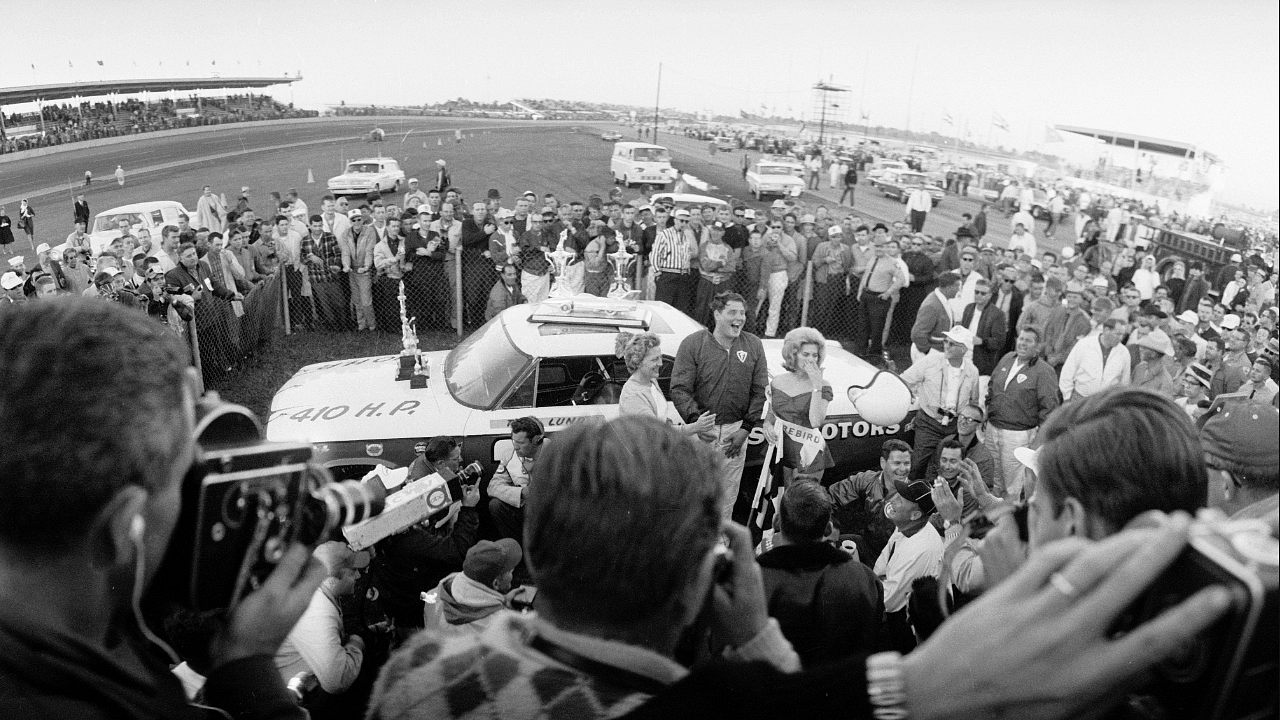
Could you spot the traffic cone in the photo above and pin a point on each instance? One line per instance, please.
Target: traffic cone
(310, 178)
(439, 141)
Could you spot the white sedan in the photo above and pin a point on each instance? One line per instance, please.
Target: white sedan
(769, 178)
(150, 216)
(376, 175)
(554, 361)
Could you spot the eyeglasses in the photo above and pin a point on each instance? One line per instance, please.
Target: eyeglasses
(966, 418)
(1008, 280)
(507, 222)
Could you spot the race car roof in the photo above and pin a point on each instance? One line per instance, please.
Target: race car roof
(567, 337)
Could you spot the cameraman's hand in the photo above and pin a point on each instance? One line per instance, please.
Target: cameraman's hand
(1026, 649)
(1002, 551)
(740, 612)
(265, 616)
(470, 495)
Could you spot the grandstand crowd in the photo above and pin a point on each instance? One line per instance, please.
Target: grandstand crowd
(598, 572)
(63, 124)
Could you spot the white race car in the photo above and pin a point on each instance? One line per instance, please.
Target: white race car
(554, 361)
(377, 175)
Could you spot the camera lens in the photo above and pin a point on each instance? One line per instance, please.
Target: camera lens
(335, 505)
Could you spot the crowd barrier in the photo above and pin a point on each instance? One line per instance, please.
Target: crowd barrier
(223, 333)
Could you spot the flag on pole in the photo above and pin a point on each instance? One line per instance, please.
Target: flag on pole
(866, 115)
(762, 503)
(99, 63)
(999, 122)
(70, 65)
(946, 118)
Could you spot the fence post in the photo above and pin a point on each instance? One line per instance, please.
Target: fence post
(457, 295)
(639, 274)
(284, 297)
(808, 293)
(193, 340)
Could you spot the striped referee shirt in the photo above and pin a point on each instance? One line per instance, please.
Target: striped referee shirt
(671, 251)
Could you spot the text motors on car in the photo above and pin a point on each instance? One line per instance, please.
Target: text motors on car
(636, 163)
(368, 175)
(150, 216)
(554, 361)
(771, 178)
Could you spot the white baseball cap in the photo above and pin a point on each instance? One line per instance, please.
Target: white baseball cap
(42, 248)
(1230, 322)
(960, 334)
(15, 261)
(1189, 317)
(10, 281)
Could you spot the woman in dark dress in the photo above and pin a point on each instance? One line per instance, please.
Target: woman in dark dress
(27, 221)
(6, 229)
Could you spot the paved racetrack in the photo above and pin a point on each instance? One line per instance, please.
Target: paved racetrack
(511, 156)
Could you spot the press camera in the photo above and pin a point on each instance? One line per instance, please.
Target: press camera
(1229, 671)
(244, 503)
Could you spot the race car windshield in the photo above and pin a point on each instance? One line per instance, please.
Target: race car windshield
(652, 155)
(481, 368)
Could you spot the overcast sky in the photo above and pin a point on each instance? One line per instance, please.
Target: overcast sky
(1204, 72)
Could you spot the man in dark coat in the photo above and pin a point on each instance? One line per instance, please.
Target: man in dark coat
(1008, 298)
(989, 332)
(81, 210)
(828, 604)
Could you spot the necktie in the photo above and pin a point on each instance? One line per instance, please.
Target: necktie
(866, 278)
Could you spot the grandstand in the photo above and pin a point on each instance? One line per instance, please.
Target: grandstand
(111, 109)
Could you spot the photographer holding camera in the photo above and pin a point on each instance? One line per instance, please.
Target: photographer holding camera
(412, 562)
(97, 410)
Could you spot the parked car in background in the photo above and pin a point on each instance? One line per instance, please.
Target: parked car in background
(611, 136)
(882, 166)
(150, 216)
(772, 178)
(899, 184)
(368, 175)
(641, 163)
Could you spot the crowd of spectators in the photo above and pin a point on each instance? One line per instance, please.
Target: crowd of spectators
(65, 123)
(601, 578)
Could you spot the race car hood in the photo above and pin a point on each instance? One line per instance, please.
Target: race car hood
(360, 398)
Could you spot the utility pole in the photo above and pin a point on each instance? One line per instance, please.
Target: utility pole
(656, 101)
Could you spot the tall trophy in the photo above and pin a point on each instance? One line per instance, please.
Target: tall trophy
(621, 289)
(408, 340)
(560, 256)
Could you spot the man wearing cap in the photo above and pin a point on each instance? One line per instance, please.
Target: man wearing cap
(443, 180)
(831, 262)
(11, 284)
(1194, 399)
(1095, 363)
(1154, 350)
(914, 551)
(942, 383)
(1065, 328)
(675, 249)
(466, 602)
(1243, 461)
(318, 643)
(414, 192)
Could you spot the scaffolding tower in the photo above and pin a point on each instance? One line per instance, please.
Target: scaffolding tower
(830, 106)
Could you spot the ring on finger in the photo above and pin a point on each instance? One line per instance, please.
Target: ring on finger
(1063, 585)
